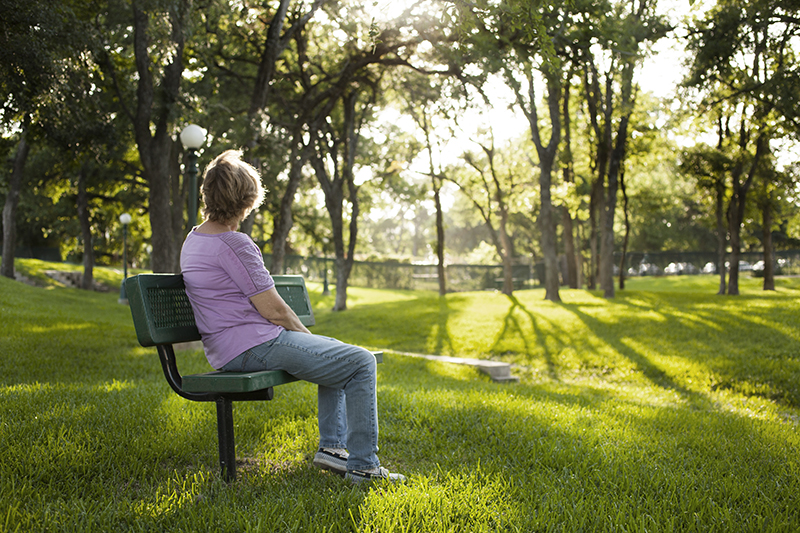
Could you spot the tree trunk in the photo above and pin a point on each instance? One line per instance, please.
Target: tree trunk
(548, 229)
(284, 221)
(87, 280)
(153, 132)
(733, 274)
(607, 240)
(12, 200)
(722, 233)
(569, 177)
(769, 253)
(569, 248)
(627, 231)
(165, 253)
(736, 209)
(505, 242)
(547, 155)
(437, 201)
(615, 163)
(578, 255)
(436, 182)
(333, 188)
(595, 207)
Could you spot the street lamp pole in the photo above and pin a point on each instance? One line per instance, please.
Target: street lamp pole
(192, 137)
(124, 219)
(325, 289)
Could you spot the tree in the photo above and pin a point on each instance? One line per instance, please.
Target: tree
(34, 36)
(245, 46)
(517, 38)
(622, 33)
(743, 66)
(153, 56)
(12, 199)
(494, 187)
(342, 92)
(423, 101)
(334, 163)
(709, 167)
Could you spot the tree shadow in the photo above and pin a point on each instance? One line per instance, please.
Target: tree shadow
(512, 325)
(647, 368)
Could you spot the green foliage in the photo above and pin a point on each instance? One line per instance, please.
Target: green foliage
(623, 419)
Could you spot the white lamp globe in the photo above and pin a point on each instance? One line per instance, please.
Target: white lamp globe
(125, 219)
(193, 137)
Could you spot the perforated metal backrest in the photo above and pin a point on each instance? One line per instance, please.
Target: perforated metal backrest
(162, 313)
(161, 310)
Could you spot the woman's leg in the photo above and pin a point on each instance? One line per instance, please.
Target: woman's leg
(332, 417)
(333, 365)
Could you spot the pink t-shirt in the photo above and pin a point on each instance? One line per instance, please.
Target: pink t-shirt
(221, 272)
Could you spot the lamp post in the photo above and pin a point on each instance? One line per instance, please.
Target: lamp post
(325, 289)
(124, 219)
(192, 138)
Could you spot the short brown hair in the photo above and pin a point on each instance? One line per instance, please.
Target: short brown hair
(231, 188)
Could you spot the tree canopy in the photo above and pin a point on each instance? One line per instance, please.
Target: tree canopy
(376, 128)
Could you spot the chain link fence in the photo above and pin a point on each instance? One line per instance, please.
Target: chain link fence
(396, 275)
(787, 263)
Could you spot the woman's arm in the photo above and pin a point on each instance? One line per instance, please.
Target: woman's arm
(272, 307)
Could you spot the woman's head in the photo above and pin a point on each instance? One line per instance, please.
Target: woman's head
(231, 189)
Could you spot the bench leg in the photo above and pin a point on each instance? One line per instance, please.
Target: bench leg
(227, 446)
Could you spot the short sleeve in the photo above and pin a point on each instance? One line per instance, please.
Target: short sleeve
(242, 260)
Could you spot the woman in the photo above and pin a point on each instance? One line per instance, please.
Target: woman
(246, 326)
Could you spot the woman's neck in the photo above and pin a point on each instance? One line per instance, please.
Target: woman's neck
(212, 227)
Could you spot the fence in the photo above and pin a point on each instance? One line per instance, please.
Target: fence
(787, 262)
(394, 275)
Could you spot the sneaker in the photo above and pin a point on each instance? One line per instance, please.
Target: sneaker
(380, 473)
(333, 459)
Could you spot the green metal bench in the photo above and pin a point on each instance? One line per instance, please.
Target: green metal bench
(162, 316)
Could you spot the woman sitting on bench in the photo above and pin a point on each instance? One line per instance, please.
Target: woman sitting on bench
(246, 326)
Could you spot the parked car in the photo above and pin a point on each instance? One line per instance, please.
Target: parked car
(758, 268)
(681, 268)
(710, 268)
(649, 269)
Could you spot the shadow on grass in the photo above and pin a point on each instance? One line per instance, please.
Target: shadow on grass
(648, 369)
(419, 321)
(585, 452)
(479, 455)
(512, 325)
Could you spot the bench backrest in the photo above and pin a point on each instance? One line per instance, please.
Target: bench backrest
(162, 313)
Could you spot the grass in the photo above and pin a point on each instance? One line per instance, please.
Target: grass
(666, 409)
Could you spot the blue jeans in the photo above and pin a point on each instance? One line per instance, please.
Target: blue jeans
(346, 375)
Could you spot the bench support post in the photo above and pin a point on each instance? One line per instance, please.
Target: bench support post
(227, 446)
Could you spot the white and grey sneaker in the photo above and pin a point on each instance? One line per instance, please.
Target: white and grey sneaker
(373, 474)
(333, 459)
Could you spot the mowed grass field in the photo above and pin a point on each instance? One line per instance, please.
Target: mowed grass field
(668, 408)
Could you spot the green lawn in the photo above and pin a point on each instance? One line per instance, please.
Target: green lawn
(666, 409)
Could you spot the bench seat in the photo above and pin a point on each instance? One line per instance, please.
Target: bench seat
(219, 381)
(234, 382)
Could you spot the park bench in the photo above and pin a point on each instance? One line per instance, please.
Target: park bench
(163, 317)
